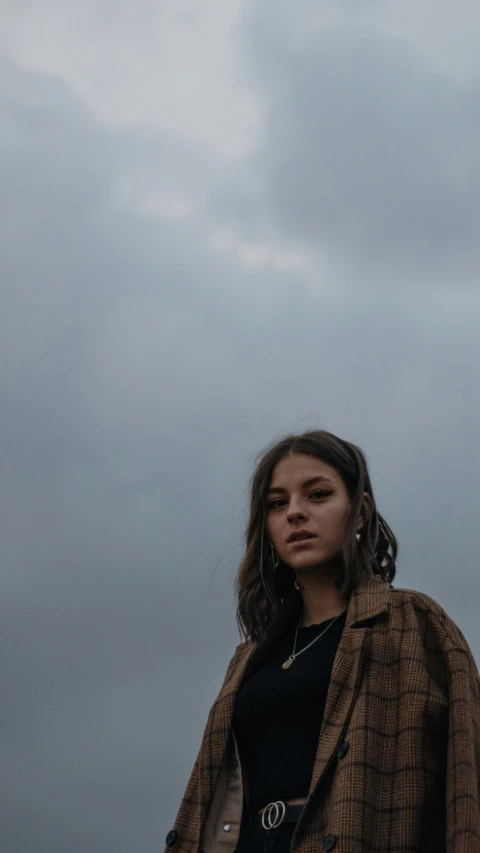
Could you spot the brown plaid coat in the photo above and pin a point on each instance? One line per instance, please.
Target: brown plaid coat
(397, 768)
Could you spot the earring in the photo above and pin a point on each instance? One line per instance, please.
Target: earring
(296, 585)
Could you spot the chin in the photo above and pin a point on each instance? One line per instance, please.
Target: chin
(306, 560)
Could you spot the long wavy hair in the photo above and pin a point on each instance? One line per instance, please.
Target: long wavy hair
(264, 584)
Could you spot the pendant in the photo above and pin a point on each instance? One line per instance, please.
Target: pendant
(287, 664)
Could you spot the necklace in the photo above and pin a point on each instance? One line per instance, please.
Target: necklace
(292, 657)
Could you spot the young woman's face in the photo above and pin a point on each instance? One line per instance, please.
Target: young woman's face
(321, 507)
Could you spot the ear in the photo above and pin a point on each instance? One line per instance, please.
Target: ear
(365, 510)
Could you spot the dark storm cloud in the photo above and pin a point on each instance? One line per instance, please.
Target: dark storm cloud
(369, 155)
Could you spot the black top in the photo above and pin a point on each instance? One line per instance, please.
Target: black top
(278, 714)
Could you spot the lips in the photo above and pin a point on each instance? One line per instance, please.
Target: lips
(301, 534)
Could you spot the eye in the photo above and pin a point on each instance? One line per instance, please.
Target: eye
(272, 504)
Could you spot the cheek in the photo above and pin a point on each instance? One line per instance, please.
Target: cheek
(273, 529)
(332, 522)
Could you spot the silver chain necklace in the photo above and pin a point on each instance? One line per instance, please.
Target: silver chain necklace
(292, 657)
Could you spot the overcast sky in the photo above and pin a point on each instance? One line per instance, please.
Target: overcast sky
(221, 221)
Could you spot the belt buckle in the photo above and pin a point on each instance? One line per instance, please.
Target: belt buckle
(267, 815)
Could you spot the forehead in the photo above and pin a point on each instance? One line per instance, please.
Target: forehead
(294, 469)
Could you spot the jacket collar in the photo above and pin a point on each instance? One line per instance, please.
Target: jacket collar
(368, 600)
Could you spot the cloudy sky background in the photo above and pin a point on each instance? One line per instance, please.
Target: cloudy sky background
(220, 222)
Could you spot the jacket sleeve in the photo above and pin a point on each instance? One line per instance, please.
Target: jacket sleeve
(187, 821)
(182, 837)
(463, 753)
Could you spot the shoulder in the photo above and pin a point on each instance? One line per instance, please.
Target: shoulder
(429, 616)
(236, 659)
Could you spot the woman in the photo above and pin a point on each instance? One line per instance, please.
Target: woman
(349, 719)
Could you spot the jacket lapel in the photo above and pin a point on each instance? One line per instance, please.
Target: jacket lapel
(342, 691)
(218, 730)
(367, 601)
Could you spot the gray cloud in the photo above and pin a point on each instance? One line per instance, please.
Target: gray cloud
(90, 523)
(369, 154)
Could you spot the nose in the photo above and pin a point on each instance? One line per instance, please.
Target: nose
(295, 510)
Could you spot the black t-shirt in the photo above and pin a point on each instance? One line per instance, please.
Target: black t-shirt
(278, 713)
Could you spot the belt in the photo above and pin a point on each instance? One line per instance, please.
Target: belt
(275, 815)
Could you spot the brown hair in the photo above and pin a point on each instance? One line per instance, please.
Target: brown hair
(262, 589)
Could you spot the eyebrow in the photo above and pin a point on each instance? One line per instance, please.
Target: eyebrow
(309, 482)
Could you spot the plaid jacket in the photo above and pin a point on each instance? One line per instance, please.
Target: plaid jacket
(397, 768)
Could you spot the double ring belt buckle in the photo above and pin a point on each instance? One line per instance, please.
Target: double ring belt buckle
(268, 813)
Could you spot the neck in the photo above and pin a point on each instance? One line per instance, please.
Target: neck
(321, 600)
